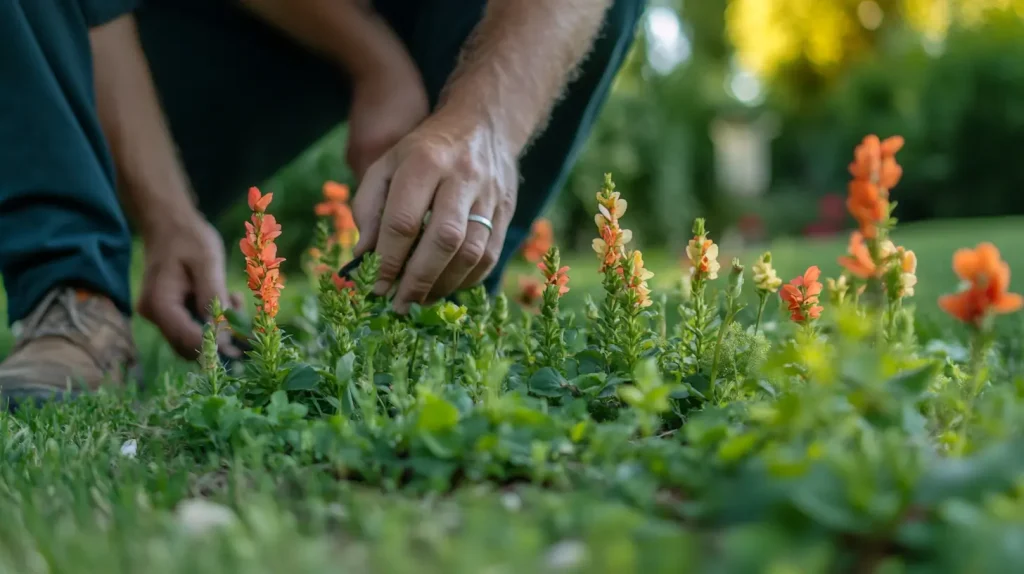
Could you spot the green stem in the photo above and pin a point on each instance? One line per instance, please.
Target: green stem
(760, 311)
(891, 322)
(718, 345)
(979, 345)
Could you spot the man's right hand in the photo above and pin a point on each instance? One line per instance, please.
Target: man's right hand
(183, 258)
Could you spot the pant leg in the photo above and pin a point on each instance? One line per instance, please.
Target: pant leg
(442, 27)
(60, 220)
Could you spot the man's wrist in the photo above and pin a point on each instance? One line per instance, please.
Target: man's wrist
(160, 217)
(506, 123)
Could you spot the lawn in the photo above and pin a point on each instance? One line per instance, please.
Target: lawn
(846, 453)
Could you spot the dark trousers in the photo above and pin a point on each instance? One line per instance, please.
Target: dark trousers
(242, 100)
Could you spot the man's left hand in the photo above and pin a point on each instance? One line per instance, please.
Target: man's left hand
(455, 165)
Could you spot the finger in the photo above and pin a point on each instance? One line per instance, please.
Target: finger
(495, 243)
(442, 239)
(368, 203)
(208, 282)
(408, 199)
(163, 303)
(474, 246)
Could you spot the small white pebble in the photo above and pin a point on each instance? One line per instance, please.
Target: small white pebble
(565, 555)
(130, 448)
(198, 515)
(511, 501)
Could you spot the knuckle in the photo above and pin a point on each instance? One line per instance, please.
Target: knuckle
(418, 289)
(507, 202)
(450, 236)
(468, 167)
(403, 224)
(488, 259)
(431, 155)
(389, 267)
(471, 253)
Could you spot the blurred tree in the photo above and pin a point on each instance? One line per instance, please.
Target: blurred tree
(807, 43)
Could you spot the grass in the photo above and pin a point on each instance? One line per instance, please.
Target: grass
(76, 497)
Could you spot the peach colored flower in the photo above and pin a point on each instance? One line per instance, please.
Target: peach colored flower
(801, 296)
(703, 255)
(908, 271)
(637, 282)
(611, 246)
(542, 237)
(988, 280)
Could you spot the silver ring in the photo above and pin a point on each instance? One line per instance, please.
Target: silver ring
(482, 221)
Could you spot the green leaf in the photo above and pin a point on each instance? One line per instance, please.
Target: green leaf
(591, 383)
(915, 381)
(345, 366)
(426, 316)
(736, 447)
(590, 361)
(301, 378)
(237, 321)
(548, 382)
(436, 415)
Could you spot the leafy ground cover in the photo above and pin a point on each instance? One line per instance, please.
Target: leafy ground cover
(617, 425)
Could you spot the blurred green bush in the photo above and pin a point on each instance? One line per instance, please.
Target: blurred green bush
(960, 107)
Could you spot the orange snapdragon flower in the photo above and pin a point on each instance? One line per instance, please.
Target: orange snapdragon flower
(988, 280)
(344, 285)
(530, 290)
(875, 172)
(262, 265)
(542, 237)
(335, 206)
(859, 262)
(558, 277)
(801, 296)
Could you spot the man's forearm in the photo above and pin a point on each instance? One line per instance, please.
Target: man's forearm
(519, 60)
(153, 186)
(348, 32)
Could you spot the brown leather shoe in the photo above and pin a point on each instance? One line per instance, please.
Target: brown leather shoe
(72, 342)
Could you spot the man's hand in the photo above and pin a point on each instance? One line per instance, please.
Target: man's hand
(183, 259)
(462, 160)
(456, 165)
(386, 107)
